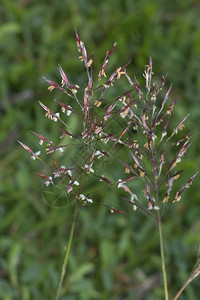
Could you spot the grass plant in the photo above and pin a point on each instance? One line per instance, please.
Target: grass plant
(133, 129)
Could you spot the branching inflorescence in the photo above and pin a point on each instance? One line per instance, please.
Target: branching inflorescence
(150, 119)
(143, 129)
(90, 144)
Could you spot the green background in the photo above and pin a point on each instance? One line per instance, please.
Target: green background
(113, 256)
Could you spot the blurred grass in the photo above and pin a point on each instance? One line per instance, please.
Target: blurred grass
(113, 257)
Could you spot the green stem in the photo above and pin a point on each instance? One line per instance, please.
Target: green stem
(66, 255)
(162, 258)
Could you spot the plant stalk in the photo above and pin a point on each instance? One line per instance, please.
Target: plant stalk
(182, 289)
(194, 274)
(163, 258)
(66, 255)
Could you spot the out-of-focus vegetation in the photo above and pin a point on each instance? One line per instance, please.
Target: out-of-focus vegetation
(113, 256)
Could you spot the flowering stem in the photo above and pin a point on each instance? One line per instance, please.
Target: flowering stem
(162, 257)
(66, 255)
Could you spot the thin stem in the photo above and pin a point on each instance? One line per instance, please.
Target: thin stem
(182, 289)
(162, 258)
(159, 224)
(195, 273)
(66, 255)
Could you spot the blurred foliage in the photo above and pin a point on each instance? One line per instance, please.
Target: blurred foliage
(113, 257)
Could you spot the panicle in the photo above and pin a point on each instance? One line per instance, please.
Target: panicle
(138, 120)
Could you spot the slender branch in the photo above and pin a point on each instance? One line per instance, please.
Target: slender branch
(182, 289)
(194, 274)
(66, 255)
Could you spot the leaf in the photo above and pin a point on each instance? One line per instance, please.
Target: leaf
(82, 270)
(13, 262)
(9, 28)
